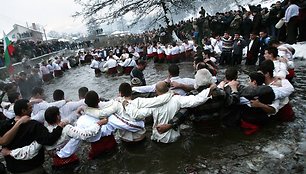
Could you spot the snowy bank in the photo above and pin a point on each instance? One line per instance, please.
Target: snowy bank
(300, 50)
(245, 3)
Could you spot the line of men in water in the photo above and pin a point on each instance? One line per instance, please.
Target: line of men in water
(53, 68)
(227, 50)
(35, 76)
(123, 60)
(250, 107)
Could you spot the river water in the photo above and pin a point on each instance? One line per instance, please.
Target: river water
(201, 149)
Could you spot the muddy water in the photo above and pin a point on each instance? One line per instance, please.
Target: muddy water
(201, 149)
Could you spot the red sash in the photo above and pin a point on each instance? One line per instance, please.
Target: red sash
(291, 74)
(161, 56)
(127, 70)
(47, 77)
(62, 162)
(58, 73)
(248, 128)
(285, 114)
(65, 66)
(175, 57)
(169, 57)
(112, 71)
(154, 54)
(105, 144)
(149, 56)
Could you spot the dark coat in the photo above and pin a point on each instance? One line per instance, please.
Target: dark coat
(252, 54)
(256, 27)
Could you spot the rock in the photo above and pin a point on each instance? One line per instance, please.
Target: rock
(251, 166)
(276, 154)
(202, 165)
(184, 126)
(301, 148)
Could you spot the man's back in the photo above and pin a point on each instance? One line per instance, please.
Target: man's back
(162, 115)
(68, 109)
(86, 121)
(213, 108)
(185, 81)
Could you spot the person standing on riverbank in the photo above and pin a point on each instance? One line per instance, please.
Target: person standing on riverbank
(292, 21)
(253, 49)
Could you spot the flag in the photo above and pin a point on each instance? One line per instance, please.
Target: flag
(8, 52)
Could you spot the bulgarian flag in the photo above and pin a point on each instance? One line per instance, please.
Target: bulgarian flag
(8, 52)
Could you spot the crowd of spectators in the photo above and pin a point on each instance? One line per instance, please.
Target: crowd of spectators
(252, 19)
(30, 49)
(244, 21)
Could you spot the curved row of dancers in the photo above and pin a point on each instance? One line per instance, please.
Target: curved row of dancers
(250, 107)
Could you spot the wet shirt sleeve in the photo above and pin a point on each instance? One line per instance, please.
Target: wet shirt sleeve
(103, 112)
(80, 133)
(26, 152)
(194, 100)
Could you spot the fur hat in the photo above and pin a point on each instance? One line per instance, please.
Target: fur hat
(202, 78)
(136, 82)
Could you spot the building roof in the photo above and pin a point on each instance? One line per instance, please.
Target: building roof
(15, 26)
(120, 33)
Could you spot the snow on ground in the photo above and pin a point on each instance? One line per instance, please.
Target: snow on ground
(263, 3)
(244, 3)
(213, 7)
(300, 50)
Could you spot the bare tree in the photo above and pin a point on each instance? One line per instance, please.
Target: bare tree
(54, 34)
(110, 10)
(92, 27)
